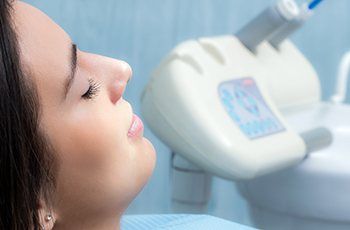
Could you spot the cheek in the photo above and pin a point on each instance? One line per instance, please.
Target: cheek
(97, 157)
(99, 137)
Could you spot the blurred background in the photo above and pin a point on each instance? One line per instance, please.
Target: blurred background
(142, 32)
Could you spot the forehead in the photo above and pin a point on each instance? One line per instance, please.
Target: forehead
(44, 46)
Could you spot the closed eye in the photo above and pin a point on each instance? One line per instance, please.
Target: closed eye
(92, 92)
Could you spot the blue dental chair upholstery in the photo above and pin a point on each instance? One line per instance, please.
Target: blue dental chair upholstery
(178, 222)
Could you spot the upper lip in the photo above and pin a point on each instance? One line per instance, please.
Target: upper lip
(131, 117)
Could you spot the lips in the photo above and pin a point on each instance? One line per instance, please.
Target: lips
(136, 128)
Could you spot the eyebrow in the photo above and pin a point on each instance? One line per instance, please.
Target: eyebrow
(73, 68)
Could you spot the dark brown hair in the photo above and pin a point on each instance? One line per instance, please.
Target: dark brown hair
(25, 159)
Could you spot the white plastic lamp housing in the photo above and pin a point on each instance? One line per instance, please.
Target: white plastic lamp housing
(184, 106)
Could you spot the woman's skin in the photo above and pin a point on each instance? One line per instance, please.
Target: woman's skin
(101, 166)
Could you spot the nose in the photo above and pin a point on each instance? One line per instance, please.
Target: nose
(120, 77)
(125, 71)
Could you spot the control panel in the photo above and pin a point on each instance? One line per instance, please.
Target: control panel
(247, 108)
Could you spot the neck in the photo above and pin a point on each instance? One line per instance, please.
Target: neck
(89, 224)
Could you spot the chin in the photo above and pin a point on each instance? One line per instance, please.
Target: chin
(150, 154)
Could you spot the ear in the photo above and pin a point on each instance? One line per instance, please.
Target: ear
(47, 216)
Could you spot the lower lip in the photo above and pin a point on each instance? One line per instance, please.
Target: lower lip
(136, 128)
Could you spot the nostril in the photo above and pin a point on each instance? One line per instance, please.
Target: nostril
(117, 90)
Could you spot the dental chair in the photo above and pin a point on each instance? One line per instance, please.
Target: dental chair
(178, 222)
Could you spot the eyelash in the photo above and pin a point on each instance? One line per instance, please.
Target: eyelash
(93, 90)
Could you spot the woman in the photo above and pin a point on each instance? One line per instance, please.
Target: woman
(72, 154)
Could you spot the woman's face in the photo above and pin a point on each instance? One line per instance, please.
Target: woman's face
(103, 158)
